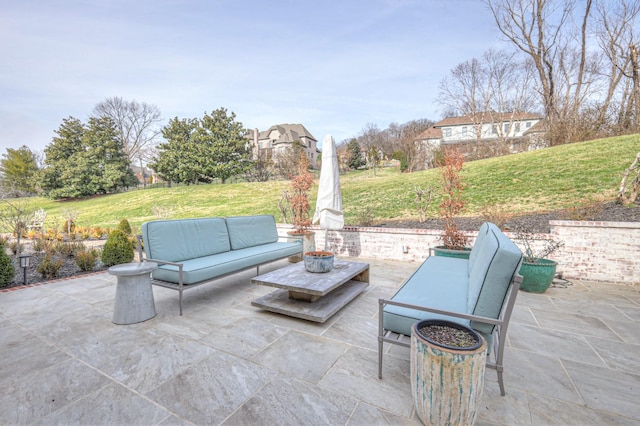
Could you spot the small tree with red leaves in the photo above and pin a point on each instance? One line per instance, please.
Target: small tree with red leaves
(299, 197)
(452, 202)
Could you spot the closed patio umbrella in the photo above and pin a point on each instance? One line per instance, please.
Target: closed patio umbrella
(328, 214)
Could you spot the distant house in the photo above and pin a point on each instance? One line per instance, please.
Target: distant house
(145, 175)
(277, 140)
(486, 134)
(489, 125)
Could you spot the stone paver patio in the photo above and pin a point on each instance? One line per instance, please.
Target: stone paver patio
(573, 357)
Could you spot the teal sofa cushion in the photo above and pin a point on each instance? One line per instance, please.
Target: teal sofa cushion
(501, 270)
(178, 240)
(484, 251)
(440, 283)
(213, 266)
(250, 231)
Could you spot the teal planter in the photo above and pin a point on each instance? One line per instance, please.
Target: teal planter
(537, 277)
(318, 261)
(445, 252)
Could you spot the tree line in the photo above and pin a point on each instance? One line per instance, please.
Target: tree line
(574, 63)
(96, 157)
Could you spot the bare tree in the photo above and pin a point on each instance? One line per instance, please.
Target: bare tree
(137, 123)
(466, 91)
(543, 30)
(497, 87)
(617, 41)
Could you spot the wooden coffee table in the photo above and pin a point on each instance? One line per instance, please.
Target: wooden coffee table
(313, 297)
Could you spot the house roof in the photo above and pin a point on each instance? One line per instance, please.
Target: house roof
(288, 133)
(487, 117)
(540, 127)
(430, 133)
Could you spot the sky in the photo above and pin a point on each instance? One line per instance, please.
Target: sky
(335, 66)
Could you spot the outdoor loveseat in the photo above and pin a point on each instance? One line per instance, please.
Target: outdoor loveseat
(478, 292)
(192, 252)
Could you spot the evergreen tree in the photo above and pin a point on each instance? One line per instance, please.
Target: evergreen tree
(18, 168)
(355, 156)
(200, 150)
(85, 160)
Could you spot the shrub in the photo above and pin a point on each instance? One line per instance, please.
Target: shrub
(7, 271)
(365, 217)
(124, 227)
(495, 214)
(69, 249)
(452, 203)
(86, 260)
(40, 244)
(117, 249)
(13, 246)
(97, 232)
(49, 266)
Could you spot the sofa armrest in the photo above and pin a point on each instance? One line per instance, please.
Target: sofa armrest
(383, 302)
(167, 262)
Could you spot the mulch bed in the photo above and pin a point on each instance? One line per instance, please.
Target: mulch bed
(535, 222)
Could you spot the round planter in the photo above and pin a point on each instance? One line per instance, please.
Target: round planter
(308, 239)
(318, 261)
(445, 252)
(537, 276)
(446, 381)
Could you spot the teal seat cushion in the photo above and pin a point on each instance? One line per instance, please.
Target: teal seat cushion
(213, 266)
(178, 240)
(440, 283)
(249, 231)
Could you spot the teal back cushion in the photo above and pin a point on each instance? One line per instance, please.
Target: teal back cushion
(497, 271)
(478, 246)
(178, 240)
(250, 231)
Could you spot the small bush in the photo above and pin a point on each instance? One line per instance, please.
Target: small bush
(86, 260)
(365, 217)
(69, 249)
(84, 232)
(49, 266)
(97, 232)
(495, 214)
(13, 246)
(589, 211)
(124, 227)
(118, 249)
(39, 244)
(7, 271)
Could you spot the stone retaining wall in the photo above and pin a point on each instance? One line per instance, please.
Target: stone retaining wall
(593, 251)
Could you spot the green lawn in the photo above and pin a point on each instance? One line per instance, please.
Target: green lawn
(552, 178)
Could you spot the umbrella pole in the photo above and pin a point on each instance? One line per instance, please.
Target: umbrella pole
(326, 235)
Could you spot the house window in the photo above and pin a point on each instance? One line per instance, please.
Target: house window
(446, 132)
(464, 131)
(494, 130)
(517, 127)
(506, 128)
(528, 124)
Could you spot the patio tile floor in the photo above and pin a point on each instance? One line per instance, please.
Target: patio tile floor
(573, 357)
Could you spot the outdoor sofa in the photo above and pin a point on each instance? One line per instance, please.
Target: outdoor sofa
(192, 252)
(478, 292)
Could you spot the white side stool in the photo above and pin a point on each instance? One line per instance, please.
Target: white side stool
(134, 298)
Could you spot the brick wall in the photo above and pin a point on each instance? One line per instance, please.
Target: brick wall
(593, 251)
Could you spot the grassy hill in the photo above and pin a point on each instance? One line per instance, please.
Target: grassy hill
(548, 179)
